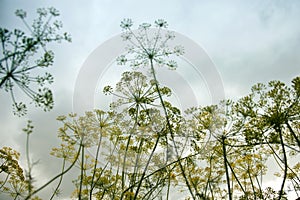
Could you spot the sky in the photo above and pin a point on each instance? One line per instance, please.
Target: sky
(246, 42)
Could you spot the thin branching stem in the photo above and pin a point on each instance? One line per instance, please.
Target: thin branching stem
(170, 127)
(293, 133)
(57, 176)
(285, 163)
(146, 167)
(236, 178)
(95, 165)
(251, 181)
(126, 151)
(226, 168)
(81, 172)
(60, 180)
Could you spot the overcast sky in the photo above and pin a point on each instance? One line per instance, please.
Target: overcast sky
(248, 42)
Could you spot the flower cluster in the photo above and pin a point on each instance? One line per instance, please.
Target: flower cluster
(134, 89)
(23, 54)
(146, 45)
(10, 165)
(13, 182)
(84, 130)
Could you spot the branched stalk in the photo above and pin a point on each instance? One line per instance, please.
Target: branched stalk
(236, 178)
(136, 167)
(124, 163)
(169, 184)
(293, 133)
(4, 182)
(259, 186)
(81, 171)
(158, 182)
(251, 181)
(95, 166)
(125, 156)
(146, 167)
(284, 161)
(170, 128)
(57, 176)
(60, 180)
(211, 191)
(208, 178)
(295, 187)
(280, 159)
(226, 168)
(16, 196)
(158, 170)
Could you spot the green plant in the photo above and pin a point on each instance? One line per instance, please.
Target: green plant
(143, 147)
(23, 52)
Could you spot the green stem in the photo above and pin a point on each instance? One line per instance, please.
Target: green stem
(95, 165)
(3, 182)
(137, 159)
(126, 151)
(169, 184)
(285, 163)
(226, 168)
(145, 169)
(170, 128)
(57, 176)
(123, 167)
(259, 186)
(276, 156)
(293, 133)
(81, 172)
(236, 178)
(60, 180)
(208, 178)
(251, 181)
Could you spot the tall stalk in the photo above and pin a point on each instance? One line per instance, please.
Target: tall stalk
(57, 176)
(145, 169)
(226, 168)
(81, 172)
(60, 180)
(95, 165)
(293, 133)
(281, 192)
(251, 181)
(125, 156)
(169, 126)
(29, 166)
(236, 178)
